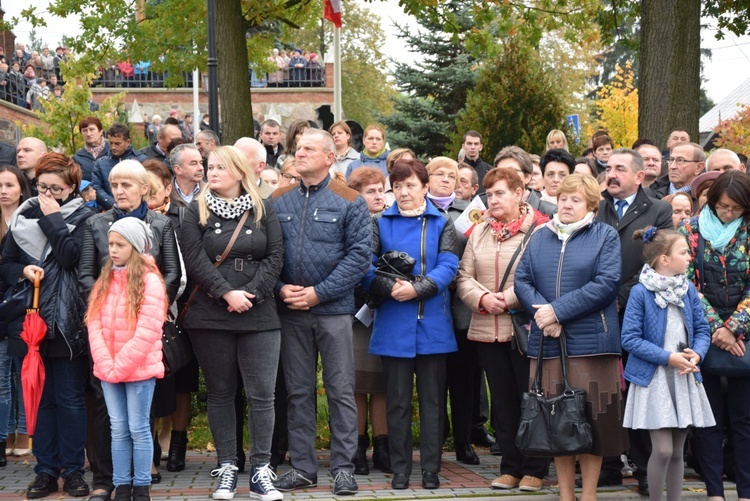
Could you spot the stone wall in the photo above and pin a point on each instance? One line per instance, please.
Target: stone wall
(9, 115)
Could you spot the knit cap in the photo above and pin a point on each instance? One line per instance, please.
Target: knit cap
(135, 231)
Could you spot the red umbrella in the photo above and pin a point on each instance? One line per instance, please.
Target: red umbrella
(32, 370)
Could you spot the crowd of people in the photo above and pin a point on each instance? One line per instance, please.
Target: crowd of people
(277, 256)
(28, 79)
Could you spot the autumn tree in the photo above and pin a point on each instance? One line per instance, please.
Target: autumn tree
(516, 101)
(617, 107)
(734, 133)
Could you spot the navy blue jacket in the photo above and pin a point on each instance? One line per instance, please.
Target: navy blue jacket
(100, 175)
(643, 333)
(85, 160)
(582, 293)
(327, 242)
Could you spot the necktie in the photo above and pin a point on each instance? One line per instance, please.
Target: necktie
(620, 204)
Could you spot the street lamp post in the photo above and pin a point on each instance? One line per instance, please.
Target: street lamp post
(213, 85)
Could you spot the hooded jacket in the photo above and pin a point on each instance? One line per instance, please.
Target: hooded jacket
(59, 237)
(365, 161)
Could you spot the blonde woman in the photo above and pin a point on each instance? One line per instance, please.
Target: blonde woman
(232, 317)
(556, 139)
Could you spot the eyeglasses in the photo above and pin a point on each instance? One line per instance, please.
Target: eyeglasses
(680, 161)
(449, 175)
(289, 177)
(55, 190)
(727, 208)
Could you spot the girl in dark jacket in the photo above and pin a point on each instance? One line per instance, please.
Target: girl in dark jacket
(130, 188)
(45, 238)
(232, 317)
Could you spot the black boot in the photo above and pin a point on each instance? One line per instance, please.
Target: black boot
(381, 457)
(141, 493)
(123, 492)
(3, 459)
(360, 458)
(177, 449)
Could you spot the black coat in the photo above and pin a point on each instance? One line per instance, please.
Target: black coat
(95, 251)
(482, 168)
(643, 212)
(60, 305)
(7, 154)
(253, 265)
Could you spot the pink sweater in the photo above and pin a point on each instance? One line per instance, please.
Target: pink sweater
(122, 354)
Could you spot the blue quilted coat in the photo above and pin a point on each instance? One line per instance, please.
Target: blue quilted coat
(327, 242)
(643, 333)
(580, 279)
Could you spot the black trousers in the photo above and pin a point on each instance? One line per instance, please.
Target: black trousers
(99, 447)
(463, 377)
(399, 382)
(508, 376)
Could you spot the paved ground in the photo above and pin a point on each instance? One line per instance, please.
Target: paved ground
(457, 481)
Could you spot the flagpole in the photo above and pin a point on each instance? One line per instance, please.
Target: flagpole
(338, 113)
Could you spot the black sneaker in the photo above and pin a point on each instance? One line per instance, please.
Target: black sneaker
(42, 486)
(75, 485)
(344, 484)
(293, 480)
(227, 473)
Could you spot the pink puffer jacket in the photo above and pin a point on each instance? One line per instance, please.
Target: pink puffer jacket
(124, 353)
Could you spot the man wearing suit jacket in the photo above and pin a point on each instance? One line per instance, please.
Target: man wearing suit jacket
(627, 208)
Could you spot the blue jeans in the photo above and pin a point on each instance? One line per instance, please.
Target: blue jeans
(16, 411)
(5, 391)
(60, 434)
(129, 406)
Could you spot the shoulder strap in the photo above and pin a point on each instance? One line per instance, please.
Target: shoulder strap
(224, 255)
(514, 257)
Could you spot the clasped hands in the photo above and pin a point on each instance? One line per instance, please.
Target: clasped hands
(685, 361)
(546, 320)
(298, 297)
(724, 339)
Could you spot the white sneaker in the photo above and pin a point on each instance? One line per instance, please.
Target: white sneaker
(261, 484)
(627, 470)
(227, 473)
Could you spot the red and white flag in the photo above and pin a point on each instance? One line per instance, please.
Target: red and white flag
(333, 11)
(470, 217)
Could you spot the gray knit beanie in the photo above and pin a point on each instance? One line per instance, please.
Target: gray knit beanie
(134, 231)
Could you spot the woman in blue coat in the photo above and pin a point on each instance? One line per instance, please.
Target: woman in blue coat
(570, 275)
(413, 331)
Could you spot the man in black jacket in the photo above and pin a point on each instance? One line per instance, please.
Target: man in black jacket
(270, 136)
(158, 150)
(472, 146)
(627, 208)
(520, 161)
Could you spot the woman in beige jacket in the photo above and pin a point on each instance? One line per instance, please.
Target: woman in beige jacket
(488, 254)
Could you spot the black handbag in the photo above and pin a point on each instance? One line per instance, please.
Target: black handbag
(520, 320)
(177, 351)
(16, 301)
(718, 362)
(557, 426)
(395, 264)
(19, 296)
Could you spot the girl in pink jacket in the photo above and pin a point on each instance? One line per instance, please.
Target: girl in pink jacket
(126, 314)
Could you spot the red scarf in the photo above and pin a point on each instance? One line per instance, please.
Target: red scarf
(504, 231)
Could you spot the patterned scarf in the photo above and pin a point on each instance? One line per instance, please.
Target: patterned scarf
(503, 231)
(413, 212)
(667, 290)
(228, 209)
